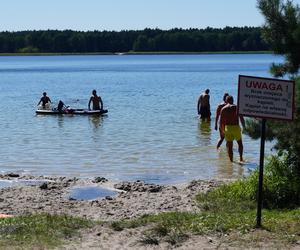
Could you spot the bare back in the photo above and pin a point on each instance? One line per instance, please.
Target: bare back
(229, 115)
(204, 100)
(219, 108)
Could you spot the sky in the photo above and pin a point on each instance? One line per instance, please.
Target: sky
(84, 15)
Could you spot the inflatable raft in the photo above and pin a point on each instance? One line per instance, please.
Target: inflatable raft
(70, 111)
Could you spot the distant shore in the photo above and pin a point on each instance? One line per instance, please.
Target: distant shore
(137, 53)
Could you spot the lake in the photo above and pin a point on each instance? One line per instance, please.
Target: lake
(151, 132)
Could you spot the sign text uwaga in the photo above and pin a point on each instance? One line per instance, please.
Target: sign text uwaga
(265, 97)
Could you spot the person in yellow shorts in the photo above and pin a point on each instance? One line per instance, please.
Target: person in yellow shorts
(232, 131)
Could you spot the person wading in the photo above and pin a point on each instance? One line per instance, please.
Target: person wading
(203, 106)
(221, 126)
(96, 100)
(232, 130)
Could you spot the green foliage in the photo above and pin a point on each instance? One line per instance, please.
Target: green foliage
(281, 183)
(143, 220)
(38, 231)
(147, 40)
(227, 196)
(282, 32)
(253, 129)
(281, 189)
(28, 49)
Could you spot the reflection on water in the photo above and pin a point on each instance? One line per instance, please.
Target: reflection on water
(90, 193)
(204, 132)
(21, 182)
(60, 121)
(226, 168)
(96, 121)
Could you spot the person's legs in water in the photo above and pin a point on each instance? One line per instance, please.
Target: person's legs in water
(241, 148)
(229, 137)
(229, 145)
(220, 142)
(221, 139)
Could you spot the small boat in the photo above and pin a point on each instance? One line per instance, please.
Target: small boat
(70, 111)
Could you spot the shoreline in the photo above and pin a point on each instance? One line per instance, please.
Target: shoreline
(110, 180)
(136, 53)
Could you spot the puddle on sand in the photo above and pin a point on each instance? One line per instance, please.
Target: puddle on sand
(90, 193)
(5, 184)
(17, 183)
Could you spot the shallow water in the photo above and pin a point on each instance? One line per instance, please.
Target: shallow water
(151, 131)
(20, 182)
(90, 193)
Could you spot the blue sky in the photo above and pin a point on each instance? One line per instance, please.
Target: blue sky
(127, 14)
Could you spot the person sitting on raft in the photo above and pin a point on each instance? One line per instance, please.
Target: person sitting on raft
(96, 100)
(60, 106)
(45, 100)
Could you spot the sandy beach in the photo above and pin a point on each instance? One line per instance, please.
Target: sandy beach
(52, 195)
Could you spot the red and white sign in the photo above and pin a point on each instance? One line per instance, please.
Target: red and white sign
(266, 97)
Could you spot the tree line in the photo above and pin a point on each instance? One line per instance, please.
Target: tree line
(147, 40)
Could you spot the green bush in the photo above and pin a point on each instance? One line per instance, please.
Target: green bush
(281, 183)
(226, 197)
(29, 49)
(281, 189)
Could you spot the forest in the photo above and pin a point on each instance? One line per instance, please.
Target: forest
(228, 39)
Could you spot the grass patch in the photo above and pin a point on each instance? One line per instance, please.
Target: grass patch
(227, 210)
(149, 239)
(39, 231)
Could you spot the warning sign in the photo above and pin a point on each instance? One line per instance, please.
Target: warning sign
(266, 97)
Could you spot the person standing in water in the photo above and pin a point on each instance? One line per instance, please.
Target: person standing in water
(203, 106)
(230, 119)
(45, 100)
(96, 100)
(221, 126)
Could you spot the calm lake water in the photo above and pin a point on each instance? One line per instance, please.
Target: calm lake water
(151, 132)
